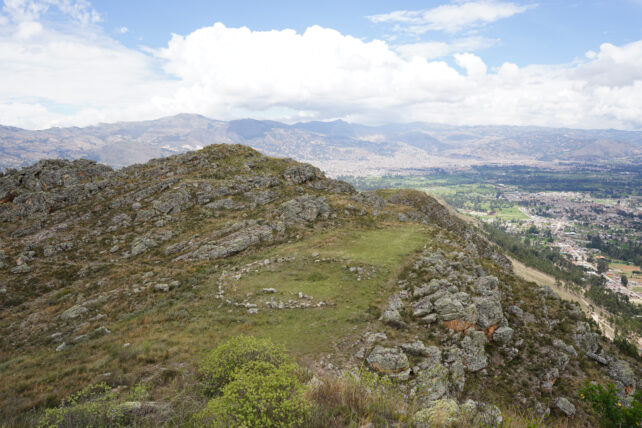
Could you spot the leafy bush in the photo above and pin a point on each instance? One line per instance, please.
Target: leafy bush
(93, 406)
(259, 395)
(219, 366)
(613, 412)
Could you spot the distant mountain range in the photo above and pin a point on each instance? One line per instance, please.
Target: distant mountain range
(338, 147)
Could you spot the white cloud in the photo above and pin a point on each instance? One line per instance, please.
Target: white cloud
(30, 10)
(434, 49)
(53, 78)
(122, 30)
(474, 65)
(451, 18)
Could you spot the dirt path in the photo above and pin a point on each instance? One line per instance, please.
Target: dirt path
(597, 314)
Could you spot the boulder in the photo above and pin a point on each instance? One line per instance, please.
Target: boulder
(489, 311)
(442, 413)
(422, 307)
(481, 414)
(503, 335)
(430, 385)
(299, 174)
(473, 353)
(305, 208)
(73, 312)
(565, 406)
(393, 318)
(448, 308)
(387, 360)
(620, 371)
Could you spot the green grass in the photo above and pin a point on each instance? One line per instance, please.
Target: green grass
(309, 331)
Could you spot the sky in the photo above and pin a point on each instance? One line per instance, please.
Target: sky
(575, 64)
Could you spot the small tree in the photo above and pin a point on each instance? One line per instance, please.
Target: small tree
(613, 413)
(624, 280)
(602, 265)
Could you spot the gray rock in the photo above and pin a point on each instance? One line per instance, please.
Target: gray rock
(620, 371)
(442, 413)
(422, 307)
(395, 302)
(487, 285)
(387, 360)
(516, 311)
(142, 244)
(23, 268)
(503, 335)
(428, 319)
(564, 406)
(393, 318)
(430, 385)
(598, 358)
(585, 339)
(305, 208)
(161, 287)
(548, 379)
(481, 414)
(73, 312)
(473, 353)
(489, 311)
(299, 174)
(375, 337)
(448, 308)
(559, 344)
(416, 348)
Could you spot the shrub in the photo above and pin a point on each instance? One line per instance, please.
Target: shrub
(219, 366)
(611, 409)
(259, 395)
(92, 406)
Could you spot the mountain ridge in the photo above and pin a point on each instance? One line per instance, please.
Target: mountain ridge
(130, 276)
(337, 147)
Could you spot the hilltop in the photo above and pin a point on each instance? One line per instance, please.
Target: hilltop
(132, 276)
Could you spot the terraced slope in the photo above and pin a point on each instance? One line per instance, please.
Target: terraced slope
(131, 276)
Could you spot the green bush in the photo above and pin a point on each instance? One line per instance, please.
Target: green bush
(612, 410)
(219, 366)
(93, 406)
(259, 395)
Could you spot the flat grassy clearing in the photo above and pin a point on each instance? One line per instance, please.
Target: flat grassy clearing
(161, 331)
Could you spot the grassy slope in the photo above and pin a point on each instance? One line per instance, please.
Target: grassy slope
(181, 326)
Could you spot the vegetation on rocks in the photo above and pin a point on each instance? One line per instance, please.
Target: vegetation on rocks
(392, 310)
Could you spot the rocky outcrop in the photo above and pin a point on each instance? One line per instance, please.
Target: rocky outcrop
(305, 209)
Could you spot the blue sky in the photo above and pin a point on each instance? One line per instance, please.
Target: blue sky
(519, 62)
(552, 32)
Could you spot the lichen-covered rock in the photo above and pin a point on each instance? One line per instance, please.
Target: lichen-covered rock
(305, 208)
(441, 414)
(624, 377)
(585, 339)
(559, 344)
(387, 360)
(503, 335)
(422, 307)
(73, 312)
(489, 311)
(430, 385)
(299, 174)
(564, 406)
(473, 353)
(393, 318)
(448, 308)
(477, 414)
(416, 348)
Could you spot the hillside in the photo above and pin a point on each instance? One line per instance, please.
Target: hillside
(338, 147)
(132, 276)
